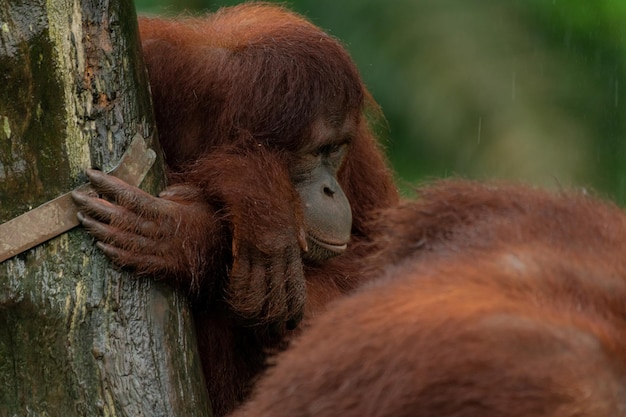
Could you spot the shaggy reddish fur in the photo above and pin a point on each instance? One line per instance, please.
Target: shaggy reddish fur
(490, 301)
(237, 95)
(476, 300)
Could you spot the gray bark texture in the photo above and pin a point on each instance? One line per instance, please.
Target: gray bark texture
(77, 337)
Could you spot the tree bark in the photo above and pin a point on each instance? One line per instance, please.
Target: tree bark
(78, 338)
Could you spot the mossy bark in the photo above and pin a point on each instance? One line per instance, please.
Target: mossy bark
(77, 337)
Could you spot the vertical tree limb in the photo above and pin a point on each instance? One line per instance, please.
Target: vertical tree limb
(78, 338)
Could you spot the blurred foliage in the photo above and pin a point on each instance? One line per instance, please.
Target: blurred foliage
(532, 90)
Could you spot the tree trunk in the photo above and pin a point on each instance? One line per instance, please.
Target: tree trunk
(78, 338)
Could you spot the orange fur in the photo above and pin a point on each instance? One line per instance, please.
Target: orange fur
(487, 300)
(237, 95)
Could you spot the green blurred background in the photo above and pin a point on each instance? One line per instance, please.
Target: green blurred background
(530, 90)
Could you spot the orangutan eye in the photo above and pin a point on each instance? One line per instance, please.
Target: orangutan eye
(335, 154)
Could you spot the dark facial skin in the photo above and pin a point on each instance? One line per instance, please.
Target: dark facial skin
(327, 212)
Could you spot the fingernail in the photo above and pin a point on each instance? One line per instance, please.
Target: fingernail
(93, 174)
(78, 196)
(302, 240)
